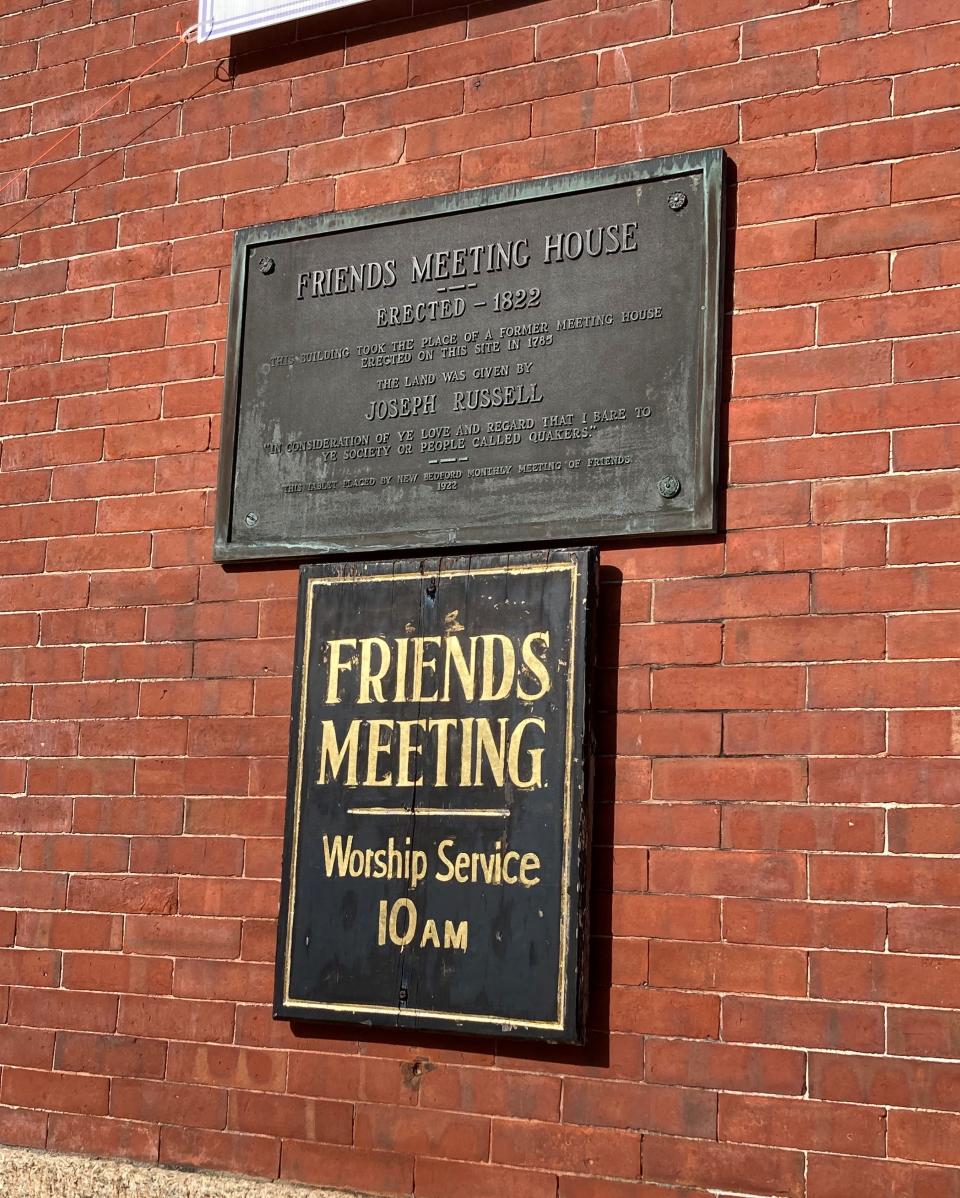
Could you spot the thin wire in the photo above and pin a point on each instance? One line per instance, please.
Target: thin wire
(183, 36)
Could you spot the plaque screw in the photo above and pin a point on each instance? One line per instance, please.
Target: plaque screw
(668, 486)
(251, 519)
(266, 266)
(677, 200)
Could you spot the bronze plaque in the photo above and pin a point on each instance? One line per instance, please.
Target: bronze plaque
(535, 361)
(437, 816)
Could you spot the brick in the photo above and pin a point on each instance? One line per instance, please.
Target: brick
(811, 369)
(886, 316)
(810, 457)
(885, 1081)
(195, 855)
(436, 138)
(775, 244)
(923, 930)
(291, 1117)
(886, 228)
(667, 916)
(659, 134)
(54, 1091)
(900, 52)
(476, 1091)
(178, 936)
(107, 1137)
(724, 687)
(483, 54)
(72, 1010)
(700, 14)
(816, 108)
(924, 830)
(635, 23)
(884, 879)
(804, 732)
(744, 80)
(926, 266)
(733, 1166)
(667, 734)
(750, 875)
(657, 824)
(175, 1018)
(729, 597)
(785, 328)
(225, 1065)
(923, 733)
(115, 1056)
(885, 684)
(893, 497)
(918, 1033)
(346, 154)
(753, 969)
(385, 1172)
(199, 1147)
(891, 779)
(729, 780)
(637, 1106)
(454, 1136)
(926, 178)
(925, 449)
(805, 1024)
(566, 1148)
(27, 1047)
(792, 1123)
(136, 895)
(74, 854)
(926, 357)
(804, 924)
(438, 1178)
(804, 638)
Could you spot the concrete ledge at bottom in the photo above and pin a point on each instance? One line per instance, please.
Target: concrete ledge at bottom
(32, 1173)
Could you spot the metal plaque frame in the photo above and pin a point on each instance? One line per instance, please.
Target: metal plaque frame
(697, 513)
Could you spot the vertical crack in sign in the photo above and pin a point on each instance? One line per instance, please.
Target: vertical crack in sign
(437, 813)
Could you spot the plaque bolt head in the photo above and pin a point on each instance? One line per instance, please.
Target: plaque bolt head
(250, 519)
(677, 200)
(266, 266)
(669, 486)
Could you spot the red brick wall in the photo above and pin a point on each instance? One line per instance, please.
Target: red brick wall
(776, 973)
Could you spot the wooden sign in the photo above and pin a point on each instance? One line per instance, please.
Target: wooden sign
(436, 834)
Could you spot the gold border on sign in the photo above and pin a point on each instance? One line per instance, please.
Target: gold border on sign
(566, 896)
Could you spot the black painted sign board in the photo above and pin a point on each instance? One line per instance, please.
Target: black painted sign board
(437, 824)
(531, 362)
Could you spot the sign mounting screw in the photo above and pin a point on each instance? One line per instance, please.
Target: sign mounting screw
(266, 266)
(250, 519)
(677, 200)
(669, 486)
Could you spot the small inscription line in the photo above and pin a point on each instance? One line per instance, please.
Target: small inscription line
(486, 812)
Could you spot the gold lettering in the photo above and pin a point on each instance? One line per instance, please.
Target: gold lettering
(372, 680)
(536, 756)
(490, 693)
(332, 754)
(336, 666)
(406, 749)
(421, 664)
(376, 749)
(467, 674)
(494, 753)
(535, 666)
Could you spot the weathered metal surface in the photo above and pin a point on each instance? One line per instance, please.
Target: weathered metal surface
(437, 815)
(526, 362)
